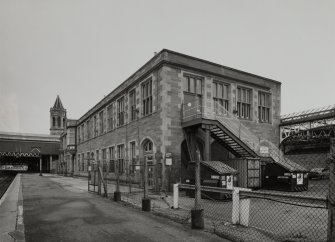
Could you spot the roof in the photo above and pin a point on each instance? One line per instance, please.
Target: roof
(28, 137)
(169, 57)
(219, 167)
(58, 103)
(308, 115)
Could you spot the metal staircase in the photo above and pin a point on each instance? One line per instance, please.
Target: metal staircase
(233, 135)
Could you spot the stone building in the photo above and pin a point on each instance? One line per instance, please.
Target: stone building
(161, 115)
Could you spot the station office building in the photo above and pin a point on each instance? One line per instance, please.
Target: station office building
(143, 119)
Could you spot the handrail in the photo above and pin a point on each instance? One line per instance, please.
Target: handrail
(234, 125)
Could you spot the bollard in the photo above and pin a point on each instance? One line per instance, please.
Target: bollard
(117, 196)
(146, 204)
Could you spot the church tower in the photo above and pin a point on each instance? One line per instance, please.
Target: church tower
(57, 118)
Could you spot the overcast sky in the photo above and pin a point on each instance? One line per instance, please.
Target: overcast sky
(83, 49)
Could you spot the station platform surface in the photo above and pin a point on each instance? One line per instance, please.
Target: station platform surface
(59, 208)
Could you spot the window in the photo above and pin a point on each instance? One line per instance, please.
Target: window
(264, 105)
(88, 129)
(104, 162)
(120, 157)
(243, 103)
(83, 162)
(132, 156)
(97, 158)
(193, 85)
(147, 97)
(220, 96)
(120, 111)
(95, 130)
(111, 159)
(53, 121)
(58, 122)
(132, 105)
(83, 132)
(88, 158)
(101, 122)
(148, 147)
(78, 161)
(110, 117)
(79, 134)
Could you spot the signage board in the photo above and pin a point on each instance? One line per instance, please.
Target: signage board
(215, 177)
(264, 150)
(229, 182)
(168, 159)
(300, 179)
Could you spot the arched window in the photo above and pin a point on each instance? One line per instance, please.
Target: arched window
(58, 122)
(64, 126)
(148, 146)
(53, 121)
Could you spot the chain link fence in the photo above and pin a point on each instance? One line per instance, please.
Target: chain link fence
(279, 212)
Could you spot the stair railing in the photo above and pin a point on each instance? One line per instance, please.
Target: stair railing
(234, 125)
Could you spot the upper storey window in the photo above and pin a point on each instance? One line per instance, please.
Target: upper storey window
(264, 105)
(244, 103)
(132, 104)
(110, 117)
(220, 96)
(120, 111)
(193, 85)
(101, 122)
(147, 97)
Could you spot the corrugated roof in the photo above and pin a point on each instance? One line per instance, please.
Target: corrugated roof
(220, 167)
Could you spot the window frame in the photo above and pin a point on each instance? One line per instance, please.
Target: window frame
(120, 158)
(147, 97)
(120, 113)
(188, 84)
(264, 110)
(243, 107)
(225, 102)
(132, 105)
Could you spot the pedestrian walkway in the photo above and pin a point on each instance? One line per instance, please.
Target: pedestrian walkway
(60, 209)
(11, 209)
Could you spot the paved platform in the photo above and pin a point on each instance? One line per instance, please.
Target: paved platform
(11, 213)
(58, 209)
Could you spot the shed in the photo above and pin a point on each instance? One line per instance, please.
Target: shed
(213, 174)
(285, 175)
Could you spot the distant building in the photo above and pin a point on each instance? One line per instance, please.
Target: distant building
(172, 106)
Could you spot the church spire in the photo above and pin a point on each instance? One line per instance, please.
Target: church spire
(58, 103)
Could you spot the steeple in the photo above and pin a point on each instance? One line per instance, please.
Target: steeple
(57, 117)
(58, 103)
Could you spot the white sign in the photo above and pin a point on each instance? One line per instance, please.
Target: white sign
(229, 182)
(264, 150)
(168, 161)
(300, 179)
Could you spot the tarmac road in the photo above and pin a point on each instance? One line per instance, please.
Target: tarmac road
(57, 211)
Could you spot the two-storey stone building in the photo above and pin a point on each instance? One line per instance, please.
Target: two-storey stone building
(151, 115)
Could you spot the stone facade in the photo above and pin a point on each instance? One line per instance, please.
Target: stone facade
(162, 126)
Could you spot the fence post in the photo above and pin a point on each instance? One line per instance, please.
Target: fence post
(235, 216)
(197, 213)
(175, 196)
(117, 193)
(241, 207)
(331, 195)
